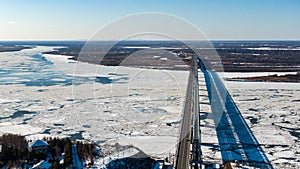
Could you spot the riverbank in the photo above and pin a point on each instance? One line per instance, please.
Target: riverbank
(13, 48)
(290, 78)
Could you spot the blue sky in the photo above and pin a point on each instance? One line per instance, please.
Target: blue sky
(80, 19)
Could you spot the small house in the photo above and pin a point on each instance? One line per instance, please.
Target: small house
(38, 146)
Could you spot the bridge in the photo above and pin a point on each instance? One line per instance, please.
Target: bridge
(236, 141)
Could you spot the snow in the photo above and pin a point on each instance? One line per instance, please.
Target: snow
(251, 74)
(274, 105)
(276, 109)
(102, 162)
(39, 143)
(136, 47)
(42, 164)
(38, 136)
(133, 109)
(153, 145)
(284, 154)
(23, 129)
(281, 161)
(268, 48)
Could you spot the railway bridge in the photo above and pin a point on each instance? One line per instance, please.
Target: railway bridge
(236, 142)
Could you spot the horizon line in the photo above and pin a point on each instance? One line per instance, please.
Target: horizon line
(82, 40)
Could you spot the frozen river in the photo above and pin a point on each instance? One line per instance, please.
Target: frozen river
(50, 95)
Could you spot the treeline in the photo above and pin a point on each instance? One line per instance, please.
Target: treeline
(14, 152)
(58, 146)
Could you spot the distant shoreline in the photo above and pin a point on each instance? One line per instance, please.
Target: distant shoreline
(235, 56)
(13, 48)
(289, 78)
